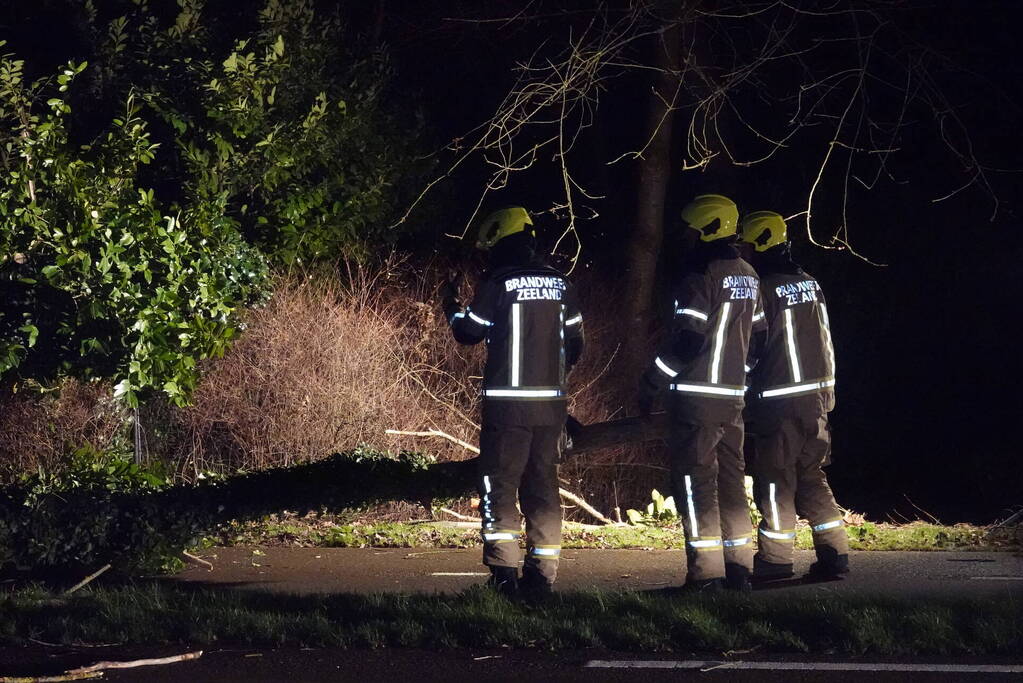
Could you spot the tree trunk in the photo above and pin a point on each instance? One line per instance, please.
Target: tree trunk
(648, 229)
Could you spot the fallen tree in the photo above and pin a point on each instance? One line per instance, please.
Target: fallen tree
(88, 526)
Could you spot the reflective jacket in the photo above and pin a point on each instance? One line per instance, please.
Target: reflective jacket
(716, 310)
(531, 322)
(798, 358)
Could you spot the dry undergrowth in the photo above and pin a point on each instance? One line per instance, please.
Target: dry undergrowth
(38, 431)
(332, 361)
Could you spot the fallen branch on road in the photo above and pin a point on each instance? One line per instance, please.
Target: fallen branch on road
(134, 664)
(192, 559)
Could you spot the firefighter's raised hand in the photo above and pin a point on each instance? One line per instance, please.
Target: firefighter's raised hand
(448, 292)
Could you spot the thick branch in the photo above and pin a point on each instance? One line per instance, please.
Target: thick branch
(94, 526)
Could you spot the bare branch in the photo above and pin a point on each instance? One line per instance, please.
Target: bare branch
(104, 666)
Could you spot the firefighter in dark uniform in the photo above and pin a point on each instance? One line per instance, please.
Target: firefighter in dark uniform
(793, 392)
(716, 311)
(527, 313)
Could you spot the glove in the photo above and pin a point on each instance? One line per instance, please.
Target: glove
(449, 292)
(449, 296)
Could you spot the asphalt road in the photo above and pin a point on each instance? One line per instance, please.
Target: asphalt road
(296, 666)
(334, 570)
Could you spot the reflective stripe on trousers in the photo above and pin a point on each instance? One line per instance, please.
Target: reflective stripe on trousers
(824, 526)
(777, 535)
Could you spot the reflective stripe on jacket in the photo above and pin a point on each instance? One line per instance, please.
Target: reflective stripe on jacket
(531, 322)
(799, 356)
(715, 313)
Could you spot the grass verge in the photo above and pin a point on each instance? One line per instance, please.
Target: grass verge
(290, 530)
(655, 621)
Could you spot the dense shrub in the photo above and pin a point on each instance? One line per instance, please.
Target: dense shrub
(99, 278)
(330, 362)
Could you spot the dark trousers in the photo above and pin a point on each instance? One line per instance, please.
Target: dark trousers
(788, 455)
(520, 462)
(707, 472)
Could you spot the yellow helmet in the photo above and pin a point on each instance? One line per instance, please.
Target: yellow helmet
(704, 210)
(764, 229)
(502, 223)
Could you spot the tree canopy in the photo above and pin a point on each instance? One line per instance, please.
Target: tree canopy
(145, 194)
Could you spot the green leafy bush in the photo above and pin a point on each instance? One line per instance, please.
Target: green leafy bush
(99, 279)
(128, 257)
(57, 520)
(287, 132)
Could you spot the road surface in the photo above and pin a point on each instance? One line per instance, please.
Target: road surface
(364, 570)
(297, 666)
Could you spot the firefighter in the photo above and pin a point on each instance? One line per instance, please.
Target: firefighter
(793, 392)
(716, 311)
(526, 312)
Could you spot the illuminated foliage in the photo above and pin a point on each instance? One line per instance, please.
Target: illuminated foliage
(101, 278)
(129, 257)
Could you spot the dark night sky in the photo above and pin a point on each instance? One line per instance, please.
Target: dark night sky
(927, 359)
(926, 405)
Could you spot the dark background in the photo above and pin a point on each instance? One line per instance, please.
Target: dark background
(928, 412)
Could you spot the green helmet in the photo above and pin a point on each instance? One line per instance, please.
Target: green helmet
(704, 210)
(502, 223)
(764, 229)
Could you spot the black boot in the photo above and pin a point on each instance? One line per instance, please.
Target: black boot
(764, 571)
(737, 578)
(534, 585)
(703, 585)
(829, 565)
(504, 580)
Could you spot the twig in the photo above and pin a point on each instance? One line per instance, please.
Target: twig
(189, 557)
(28, 163)
(88, 579)
(460, 516)
(1011, 520)
(102, 666)
(920, 509)
(50, 679)
(568, 495)
(437, 432)
(74, 645)
(580, 525)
